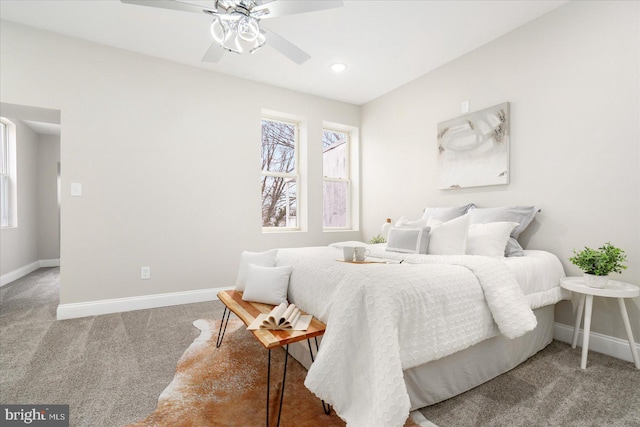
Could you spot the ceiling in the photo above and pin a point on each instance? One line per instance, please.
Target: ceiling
(384, 44)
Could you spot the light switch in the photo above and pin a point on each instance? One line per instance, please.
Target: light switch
(464, 107)
(76, 189)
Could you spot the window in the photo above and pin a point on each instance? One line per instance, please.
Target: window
(7, 173)
(337, 179)
(280, 174)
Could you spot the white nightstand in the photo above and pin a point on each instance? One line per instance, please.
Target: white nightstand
(613, 289)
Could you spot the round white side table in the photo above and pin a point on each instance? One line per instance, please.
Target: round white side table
(613, 289)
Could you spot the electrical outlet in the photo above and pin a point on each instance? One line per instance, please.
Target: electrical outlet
(145, 273)
(464, 107)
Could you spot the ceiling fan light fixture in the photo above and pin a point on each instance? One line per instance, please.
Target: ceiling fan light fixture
(219, 30)
(237, 32)
(260, 41)
(248, 28)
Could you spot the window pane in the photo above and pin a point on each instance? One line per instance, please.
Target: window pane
(4, 149)
(278, 146)
(4, 201)
(279, 202)
(334, 157)
(335, 204)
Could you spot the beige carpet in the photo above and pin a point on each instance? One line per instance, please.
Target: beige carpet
(226, 386)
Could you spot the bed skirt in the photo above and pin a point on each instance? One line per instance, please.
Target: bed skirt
(444, 378)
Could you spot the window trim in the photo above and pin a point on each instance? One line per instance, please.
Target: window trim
(11, 174)
(348, 180)
(295, 174)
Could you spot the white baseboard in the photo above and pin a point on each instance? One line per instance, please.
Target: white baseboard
(118, 305)
(9, 277)
(50, 262)
(605, 344)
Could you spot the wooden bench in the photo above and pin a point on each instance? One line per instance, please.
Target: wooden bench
(269, 338)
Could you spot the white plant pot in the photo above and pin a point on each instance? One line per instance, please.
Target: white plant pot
(595, 281)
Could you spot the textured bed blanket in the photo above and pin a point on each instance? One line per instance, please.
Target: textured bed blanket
(383, 318)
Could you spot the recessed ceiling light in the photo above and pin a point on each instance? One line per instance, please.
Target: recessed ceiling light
(338, 67)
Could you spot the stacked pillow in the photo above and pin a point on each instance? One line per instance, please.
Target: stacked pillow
(523, 215)
(463, 230)
(446, 213)
(260, 280)
(416, 236)
(411, 237)
(450, 237)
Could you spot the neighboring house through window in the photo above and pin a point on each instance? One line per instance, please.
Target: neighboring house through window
(7, 173)
(336, 179)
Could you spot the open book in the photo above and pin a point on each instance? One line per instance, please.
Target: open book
(284, 317)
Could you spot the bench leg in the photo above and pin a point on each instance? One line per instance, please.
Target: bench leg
(222, 331)
(325, 407)
(284, 378)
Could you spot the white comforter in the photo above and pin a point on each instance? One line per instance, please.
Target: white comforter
(383, 318)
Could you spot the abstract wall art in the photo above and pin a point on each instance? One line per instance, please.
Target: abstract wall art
(473, 149)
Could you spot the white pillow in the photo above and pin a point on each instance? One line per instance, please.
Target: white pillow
(405, 223)
(448, 238)
(446, 213)
(523, 215)
(408, 240)
(489, 239)
(268, 285)
(265, 259)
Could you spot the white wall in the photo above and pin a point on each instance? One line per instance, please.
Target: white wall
(572, 78)
(168, 156)
(19, 245)
(48, 215)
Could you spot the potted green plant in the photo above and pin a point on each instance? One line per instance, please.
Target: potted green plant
(377, 239)
(598, 263)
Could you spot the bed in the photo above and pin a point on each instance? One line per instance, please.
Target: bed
(401, 336)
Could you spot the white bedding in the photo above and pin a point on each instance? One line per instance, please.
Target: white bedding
(384, 318)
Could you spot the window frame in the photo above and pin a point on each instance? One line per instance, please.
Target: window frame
(296, 175)
(8, 174)
(348, 180)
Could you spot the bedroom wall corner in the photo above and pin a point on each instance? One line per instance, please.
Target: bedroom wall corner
(572, 78)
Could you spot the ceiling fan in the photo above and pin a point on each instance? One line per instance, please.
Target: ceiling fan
(237, 26)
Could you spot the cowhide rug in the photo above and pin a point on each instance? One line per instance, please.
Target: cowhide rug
(226, 386)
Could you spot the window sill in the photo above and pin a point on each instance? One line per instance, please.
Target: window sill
(281, 230)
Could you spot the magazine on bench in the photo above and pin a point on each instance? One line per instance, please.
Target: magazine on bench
(286, 317)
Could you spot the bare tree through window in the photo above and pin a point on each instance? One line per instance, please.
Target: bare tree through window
(279, 174)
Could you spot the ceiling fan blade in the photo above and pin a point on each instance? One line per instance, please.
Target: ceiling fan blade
(214, 53)
(286, 7)
(167, 4)
(285, 47)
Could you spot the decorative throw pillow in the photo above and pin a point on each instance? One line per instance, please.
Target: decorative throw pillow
(265, 259)
(268, 285)
(408, 240)
(446, 213)
(403, 222)
(523, 215)
(489, 239)
(448, 238)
